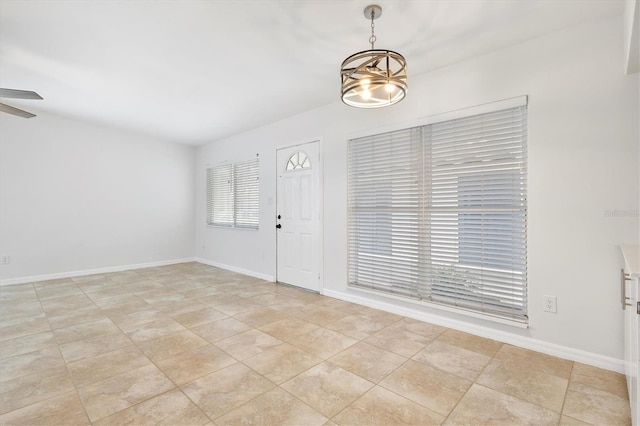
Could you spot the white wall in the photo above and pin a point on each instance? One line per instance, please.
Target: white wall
(583, 162)
(76, 197)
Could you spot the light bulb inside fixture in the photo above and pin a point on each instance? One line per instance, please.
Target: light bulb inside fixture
(365, 83)
(366, 94)
(389, 87)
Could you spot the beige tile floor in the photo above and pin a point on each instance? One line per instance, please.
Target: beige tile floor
(190, 344)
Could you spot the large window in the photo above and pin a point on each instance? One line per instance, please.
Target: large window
(233, 195)
(438, 213)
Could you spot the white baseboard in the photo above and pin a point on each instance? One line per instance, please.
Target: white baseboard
(596, 360)
(265, 277)
(70, 274)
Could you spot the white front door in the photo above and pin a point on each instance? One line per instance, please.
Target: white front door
(298, 216)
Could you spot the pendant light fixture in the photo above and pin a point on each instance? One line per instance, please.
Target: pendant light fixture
(373, 78)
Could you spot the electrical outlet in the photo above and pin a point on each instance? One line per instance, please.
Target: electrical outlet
(549, 304)
(6, 260)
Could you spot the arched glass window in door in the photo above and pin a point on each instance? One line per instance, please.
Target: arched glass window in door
(298, 160)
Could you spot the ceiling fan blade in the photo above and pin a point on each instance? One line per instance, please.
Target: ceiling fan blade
(19, 94)
(15, 111)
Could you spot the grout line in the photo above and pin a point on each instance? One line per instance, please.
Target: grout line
(566, 391)
(73, 383)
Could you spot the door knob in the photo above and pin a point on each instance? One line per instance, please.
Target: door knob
(278, 226)
(279, 216)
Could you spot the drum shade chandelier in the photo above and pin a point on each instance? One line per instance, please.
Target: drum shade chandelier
(373, 78)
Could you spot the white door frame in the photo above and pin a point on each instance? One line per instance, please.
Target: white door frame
(320, 208)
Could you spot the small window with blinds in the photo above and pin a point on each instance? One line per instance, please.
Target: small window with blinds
(233, 195)
(438, 213)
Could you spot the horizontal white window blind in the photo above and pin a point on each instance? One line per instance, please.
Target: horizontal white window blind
(246, 194)
(438, 213)
(233, 195)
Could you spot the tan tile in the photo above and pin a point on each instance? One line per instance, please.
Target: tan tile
(75, 317)
(261, 316)
(93, 346)
(252, 292)
(282, 362)
(142, 288)
(166, 277)
(65, 304)
(357, 326)
(306, 296)
(289, 305)
(421, 328)
(96, 285)
(196, 293)
(226, 389)
(180, 307)
(236, 308)
(340, 305)
(453, 359)
(604, 380)
(125, 277)
(570, 421)
(101, 367)
(24, 344)
(320, 316)
(65, 409)
(152, 330)
(193, 364)
(166, 295)
(368, 361)
(275, 407)
(199, 317)
(220, 299)
(481, 405)
(58, 291)
(398, 340)
(596, 406)
(26, 390)
(171, 408)
(266, 299)
(86, 330)
(17, 289)
(516, 379)
(323, 343)
(23, 327)
(18, 298)
(470, 342)
(535, 361)
(288, 328)
(246, 344)
(221, 329)
(384, 408)
(88, 278)
(82, 330)
(8, 304)
(130, 320)
(107, 291)
(18, 317)
(186, 284)
(327, 388)
(119, 392)
(435, 389)
(48, 283)
(29, 363)
(21, 309)
(171, 344)
(122, 304)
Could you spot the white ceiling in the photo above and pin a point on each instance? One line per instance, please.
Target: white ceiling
(195, 71)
